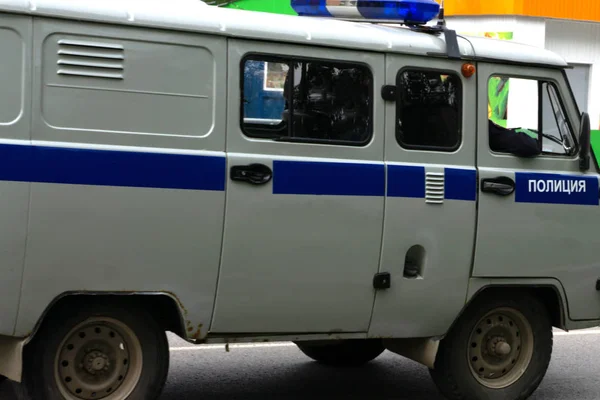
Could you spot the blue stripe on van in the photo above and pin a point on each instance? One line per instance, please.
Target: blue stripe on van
(328, 178)
(556, 189)
(111, 168)
(460, 184)
(80, 166)
(406, 181)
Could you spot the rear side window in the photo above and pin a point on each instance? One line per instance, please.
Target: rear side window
(429, 112)
(311, 101)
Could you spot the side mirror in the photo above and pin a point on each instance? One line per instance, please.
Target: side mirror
(584, 142)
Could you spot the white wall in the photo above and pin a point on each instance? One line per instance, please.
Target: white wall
(579, 43)
(525, 30)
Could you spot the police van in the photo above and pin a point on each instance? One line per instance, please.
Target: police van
(354, 179)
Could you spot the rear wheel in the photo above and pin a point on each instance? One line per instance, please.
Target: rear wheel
(499, 349)
(342, 352)
(99, 352)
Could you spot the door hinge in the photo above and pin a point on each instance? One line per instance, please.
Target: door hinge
(382, 280)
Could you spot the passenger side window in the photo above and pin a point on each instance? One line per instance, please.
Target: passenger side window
(527, 118)
(298, 100)
(429, 113)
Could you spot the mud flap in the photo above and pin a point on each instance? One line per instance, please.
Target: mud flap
(11, 357)
(421, 350)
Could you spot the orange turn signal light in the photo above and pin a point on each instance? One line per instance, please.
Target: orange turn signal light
(468, 70)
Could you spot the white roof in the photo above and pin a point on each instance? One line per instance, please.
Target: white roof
(194, 15)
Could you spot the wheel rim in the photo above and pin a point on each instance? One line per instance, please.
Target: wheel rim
(500, 348)
(101, 358)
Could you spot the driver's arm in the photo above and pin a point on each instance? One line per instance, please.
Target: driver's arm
(510, 141)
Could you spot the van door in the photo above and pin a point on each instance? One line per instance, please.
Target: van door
(304, 209)
(15, 127)
(431, 197)
(538, 214)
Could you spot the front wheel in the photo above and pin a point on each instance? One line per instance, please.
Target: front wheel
(353, 352)
(97, 352)
(499, 349)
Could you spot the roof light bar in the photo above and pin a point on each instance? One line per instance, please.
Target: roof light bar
(415, 12)
(311, 8)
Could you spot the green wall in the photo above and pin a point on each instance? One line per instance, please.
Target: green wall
(272, 6)
(595, 143)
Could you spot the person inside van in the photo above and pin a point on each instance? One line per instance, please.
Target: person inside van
(505, 140)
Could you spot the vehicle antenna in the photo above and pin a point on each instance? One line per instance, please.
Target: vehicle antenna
(441, 19)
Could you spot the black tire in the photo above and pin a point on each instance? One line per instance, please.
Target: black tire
(11, 390)
(453, 374)
(150, 342)
(342, 353)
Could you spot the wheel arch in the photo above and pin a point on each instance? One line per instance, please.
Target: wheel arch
(164, 306)
(549, 291)
(165, 303)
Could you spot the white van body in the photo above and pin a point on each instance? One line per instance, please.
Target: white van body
(129, 180)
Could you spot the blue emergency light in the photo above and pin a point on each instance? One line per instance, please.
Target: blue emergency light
(403, 11)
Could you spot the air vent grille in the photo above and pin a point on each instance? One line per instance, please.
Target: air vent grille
(434, 188)
(90, 59)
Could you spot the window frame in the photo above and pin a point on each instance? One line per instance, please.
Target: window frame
(563, 110)
(399, 107)
(540, 81)
(290, 59)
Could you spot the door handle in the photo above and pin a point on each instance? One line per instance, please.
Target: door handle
(502, 186)
(256, 174)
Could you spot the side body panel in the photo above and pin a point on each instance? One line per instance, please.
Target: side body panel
(537, 231)
(300, 251)
(127, 166)
(431, 208)
(15, 126)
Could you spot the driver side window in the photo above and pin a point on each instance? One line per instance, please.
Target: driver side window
(527, 118)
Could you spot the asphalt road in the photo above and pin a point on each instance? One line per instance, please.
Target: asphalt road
(280, 371)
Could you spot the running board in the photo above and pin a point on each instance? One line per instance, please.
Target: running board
(215, 338)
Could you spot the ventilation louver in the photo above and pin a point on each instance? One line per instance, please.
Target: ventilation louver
(434, 188)
(90, 59)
